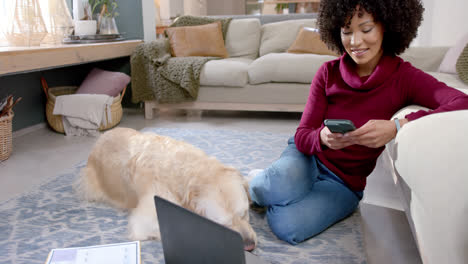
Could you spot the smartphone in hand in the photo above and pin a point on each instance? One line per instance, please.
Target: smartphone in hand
(339, 125)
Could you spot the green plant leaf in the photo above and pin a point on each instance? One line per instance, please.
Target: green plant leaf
(96, 3)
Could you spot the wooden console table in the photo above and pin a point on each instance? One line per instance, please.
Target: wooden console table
(14, 60)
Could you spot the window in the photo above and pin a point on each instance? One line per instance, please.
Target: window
(7, 14)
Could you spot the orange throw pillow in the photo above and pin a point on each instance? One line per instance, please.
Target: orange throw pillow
(204, 40)
(308, 41)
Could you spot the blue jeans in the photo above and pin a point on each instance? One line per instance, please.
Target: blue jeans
(303, 197)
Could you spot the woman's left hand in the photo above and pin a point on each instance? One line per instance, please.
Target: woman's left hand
(374, 133)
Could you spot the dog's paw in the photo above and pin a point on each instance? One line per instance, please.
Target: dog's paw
(142, 236)
(143, 231)
(143, 225)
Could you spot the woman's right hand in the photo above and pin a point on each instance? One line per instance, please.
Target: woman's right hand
(334, 140)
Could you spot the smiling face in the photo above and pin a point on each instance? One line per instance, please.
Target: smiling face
(362, 39)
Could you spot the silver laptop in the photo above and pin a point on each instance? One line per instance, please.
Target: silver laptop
(190, 238)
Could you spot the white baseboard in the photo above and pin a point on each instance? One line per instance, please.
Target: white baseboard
(28, 130)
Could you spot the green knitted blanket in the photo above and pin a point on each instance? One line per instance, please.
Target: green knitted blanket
(158, 76)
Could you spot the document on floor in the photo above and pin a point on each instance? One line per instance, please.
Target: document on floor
(120, 253)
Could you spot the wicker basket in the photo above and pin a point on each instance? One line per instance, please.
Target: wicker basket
(6, 142)
(55, 121)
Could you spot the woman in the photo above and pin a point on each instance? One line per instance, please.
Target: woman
(320, 177)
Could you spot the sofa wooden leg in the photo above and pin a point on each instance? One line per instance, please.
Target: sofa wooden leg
(149, 107)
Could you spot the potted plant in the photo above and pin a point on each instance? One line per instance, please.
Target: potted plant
(282, 8)
(84, 23)
(106, 17)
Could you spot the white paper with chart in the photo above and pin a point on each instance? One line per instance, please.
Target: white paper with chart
(121, 253)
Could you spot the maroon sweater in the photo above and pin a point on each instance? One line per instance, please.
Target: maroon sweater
(338, 92)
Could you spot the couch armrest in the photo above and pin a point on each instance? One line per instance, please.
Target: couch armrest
(430, 154)
(391, 146)
(425, 58)
(144, 61)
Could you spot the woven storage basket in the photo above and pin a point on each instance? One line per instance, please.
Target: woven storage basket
(6, 142)
(55, 121)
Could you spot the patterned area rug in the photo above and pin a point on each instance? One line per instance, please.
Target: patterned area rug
(53, 217)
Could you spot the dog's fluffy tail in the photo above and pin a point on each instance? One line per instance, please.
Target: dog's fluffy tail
(94, 189)
(87, 186)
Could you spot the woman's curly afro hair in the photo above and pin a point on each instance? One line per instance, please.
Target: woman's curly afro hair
(400, 20)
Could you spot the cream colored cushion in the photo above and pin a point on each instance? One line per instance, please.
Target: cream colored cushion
(278, 36)
(451, 80)
(308, 41)
(231, 72)
(277, 67)
(425, 58)
(203, 40)
(243, 38)
(431, 158)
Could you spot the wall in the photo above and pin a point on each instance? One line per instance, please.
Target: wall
(31, 110)
(225, 7)
(195, 7)
(171, 8)
(177, 8)
(444, 23)
(130, 20)
(149, 20)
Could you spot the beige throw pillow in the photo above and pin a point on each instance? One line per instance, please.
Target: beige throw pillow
(204, 40)
(308, 41)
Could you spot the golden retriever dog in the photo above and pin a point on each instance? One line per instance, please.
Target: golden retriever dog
(126, 168)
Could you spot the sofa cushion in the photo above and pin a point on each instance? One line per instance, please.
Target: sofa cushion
(308, 41)
(203, 40)
(450, 58)
(462, 65)
(276, 67)
(231, 72)
(451, 80)
(427, 59)
(278, 36)
(243, 38)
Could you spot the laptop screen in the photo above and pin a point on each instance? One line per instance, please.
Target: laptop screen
(190, 238)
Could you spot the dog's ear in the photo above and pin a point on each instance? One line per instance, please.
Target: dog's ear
(244, 182)
(190, 199)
